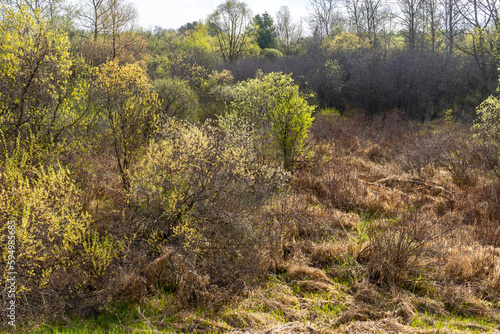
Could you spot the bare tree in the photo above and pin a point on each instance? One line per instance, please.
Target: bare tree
(483, 28)
(48, 9)
(93, 15)
(452, 19)
(411, 19)
(431, 21)
(367, 18)
(324, 17)
(108, 17)
(289, 33)
(230, 24)
(120, 15)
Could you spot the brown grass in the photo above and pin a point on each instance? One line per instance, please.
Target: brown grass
(428, 214)
(301, 272)
(390, 220)
(381, 326)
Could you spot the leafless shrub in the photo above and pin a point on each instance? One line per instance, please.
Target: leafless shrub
(424, 150)
(393, 254)
(376, 153)
(461, 158)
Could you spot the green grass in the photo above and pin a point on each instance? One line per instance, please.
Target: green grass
(454, 323)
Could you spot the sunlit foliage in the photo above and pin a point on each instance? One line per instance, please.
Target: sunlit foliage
(277, 108)
(122, 94)
(35, 75)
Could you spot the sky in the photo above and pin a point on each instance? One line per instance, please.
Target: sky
(175, 13)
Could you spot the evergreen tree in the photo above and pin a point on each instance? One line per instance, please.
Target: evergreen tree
(265, 30)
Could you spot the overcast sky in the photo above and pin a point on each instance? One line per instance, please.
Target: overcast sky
(175, 13)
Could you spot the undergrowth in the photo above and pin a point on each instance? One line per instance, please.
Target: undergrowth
(389, 226)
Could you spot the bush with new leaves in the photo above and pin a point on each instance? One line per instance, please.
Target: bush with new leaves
(59, 259)
(178, 99)
(199, 187)
(487, 130)
(35, 75)
(278, 111)
(129, 108)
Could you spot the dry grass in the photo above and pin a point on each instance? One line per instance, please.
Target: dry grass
(327, 253)
(381, 326)
(298, 272)
(389, 221)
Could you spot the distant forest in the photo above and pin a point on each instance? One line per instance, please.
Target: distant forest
(422, 57)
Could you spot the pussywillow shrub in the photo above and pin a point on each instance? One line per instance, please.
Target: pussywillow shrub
(200, 188)
(59, 261)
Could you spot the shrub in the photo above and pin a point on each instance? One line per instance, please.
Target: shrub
(35, 76)
(487, 130)
(271, 54)
(394, 254)
(278, 110)
(59, 259)
(177, 98)
(122, 94)
(197, 187)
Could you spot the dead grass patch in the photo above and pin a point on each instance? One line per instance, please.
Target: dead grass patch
(293, 327)
(361, 312)
(376, 153)
(462, 300)
(302, 272)
(327, 253)
(403, 306)
(316, 287)
(129, 287)
(367, 293)
(472, 263)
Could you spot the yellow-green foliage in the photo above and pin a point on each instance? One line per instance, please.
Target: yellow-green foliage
(200, 184)
(488, 122)
(344, 42)
(271, 54)
(177, 98)
(34, 72)
(217, 78)
(279, 111)
(201, 43)
(56, 252)
(130, 108)
(487, 130)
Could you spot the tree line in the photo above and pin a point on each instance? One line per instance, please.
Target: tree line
(421, 57)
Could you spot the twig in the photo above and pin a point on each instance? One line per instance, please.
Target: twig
(155, 330)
